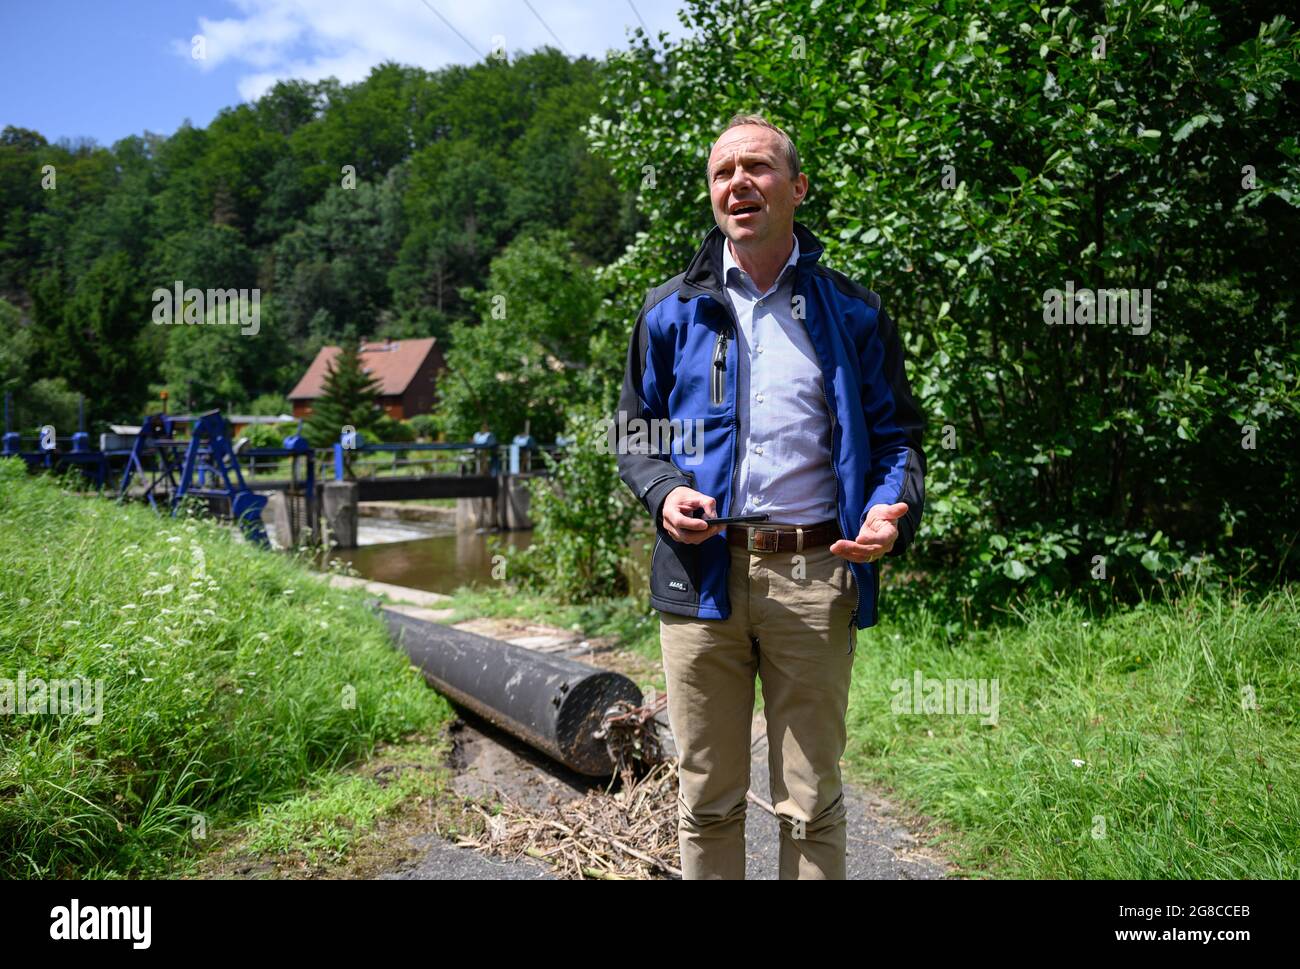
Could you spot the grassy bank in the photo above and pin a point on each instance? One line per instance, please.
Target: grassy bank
(231, 679)
(1158, 742)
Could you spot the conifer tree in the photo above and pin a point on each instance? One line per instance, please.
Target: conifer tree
(350, 399)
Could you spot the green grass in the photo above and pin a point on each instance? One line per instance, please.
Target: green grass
(1185, 716)
(324, 823)
(231, 679)
(341, 820)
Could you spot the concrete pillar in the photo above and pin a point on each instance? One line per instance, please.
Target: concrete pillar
(339, 501)
(516, 500)
(475, 513)
(278, 521)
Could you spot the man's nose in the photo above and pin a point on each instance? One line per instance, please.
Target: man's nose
(740, 180)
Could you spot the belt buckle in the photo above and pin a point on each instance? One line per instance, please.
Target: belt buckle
(762, 545)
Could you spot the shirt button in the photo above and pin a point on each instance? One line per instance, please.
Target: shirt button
(759, 349)
(759, 398)
(758, 449)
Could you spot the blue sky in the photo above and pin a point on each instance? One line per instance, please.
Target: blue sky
(105, 69)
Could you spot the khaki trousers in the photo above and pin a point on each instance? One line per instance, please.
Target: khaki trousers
(791, 624)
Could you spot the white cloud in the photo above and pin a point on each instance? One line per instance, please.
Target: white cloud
(312, 39)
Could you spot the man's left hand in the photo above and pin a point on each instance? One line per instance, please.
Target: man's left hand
(877, 536)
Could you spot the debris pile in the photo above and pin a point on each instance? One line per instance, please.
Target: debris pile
(629, 834)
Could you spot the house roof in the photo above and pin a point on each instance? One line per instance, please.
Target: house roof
(394, 364)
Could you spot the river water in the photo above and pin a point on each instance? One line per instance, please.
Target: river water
(437, 558)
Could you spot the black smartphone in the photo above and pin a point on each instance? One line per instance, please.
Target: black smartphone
(733, 519)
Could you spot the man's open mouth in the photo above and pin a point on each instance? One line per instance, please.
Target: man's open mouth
(744, 209)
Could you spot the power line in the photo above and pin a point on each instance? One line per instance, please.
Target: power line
(547, 26)
(638, 17)
(453, 28)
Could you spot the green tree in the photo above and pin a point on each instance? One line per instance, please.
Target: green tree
(350, 399)
(525, 358)
(331, 270)
(94, 337)
(967, 160)
(16, 349)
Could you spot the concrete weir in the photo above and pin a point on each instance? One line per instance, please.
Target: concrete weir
(550, 702)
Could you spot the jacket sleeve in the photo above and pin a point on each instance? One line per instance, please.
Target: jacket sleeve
(895, 424)
(647, 382)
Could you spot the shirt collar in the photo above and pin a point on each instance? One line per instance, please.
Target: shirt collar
(728, 263)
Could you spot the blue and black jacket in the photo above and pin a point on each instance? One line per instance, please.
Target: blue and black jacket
(681, 372)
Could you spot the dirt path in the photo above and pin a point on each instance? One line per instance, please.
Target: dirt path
(490, 764)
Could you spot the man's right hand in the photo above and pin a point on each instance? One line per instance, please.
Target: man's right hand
(677, 516)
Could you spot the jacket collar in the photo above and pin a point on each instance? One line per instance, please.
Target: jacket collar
(704, 274)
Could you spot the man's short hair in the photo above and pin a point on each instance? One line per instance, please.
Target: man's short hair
(787, 144)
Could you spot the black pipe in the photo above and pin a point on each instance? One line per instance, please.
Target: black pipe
(549, 702)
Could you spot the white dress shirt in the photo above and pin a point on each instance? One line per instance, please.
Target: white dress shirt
(784, 424)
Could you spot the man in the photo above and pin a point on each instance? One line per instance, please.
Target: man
(788, 379)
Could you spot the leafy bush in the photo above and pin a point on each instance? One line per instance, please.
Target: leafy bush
(425, 427)
(392, 431)
(582, 515)
(269, 405)
(965, 162)
(267, 435)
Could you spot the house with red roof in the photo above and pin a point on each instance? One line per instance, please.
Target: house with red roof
(407, 372)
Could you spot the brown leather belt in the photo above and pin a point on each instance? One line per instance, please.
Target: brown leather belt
(783, 538)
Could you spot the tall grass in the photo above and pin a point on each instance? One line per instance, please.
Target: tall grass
(1162, 741)
(229, 676)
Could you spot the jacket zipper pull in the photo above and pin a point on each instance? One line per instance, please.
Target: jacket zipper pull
(719, 367)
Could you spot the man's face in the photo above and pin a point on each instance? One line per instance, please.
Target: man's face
(753, 193)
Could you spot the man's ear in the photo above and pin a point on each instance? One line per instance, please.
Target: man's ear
(800, 189)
